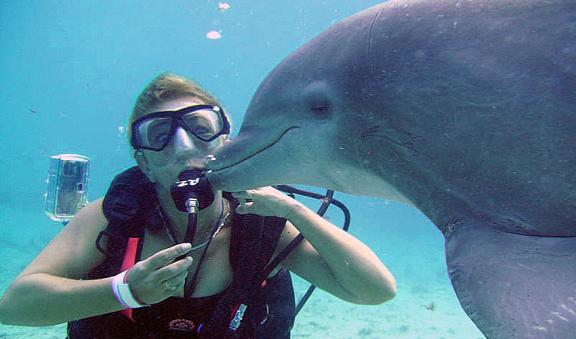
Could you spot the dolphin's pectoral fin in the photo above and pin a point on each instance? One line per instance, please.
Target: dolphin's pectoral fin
(511, 285)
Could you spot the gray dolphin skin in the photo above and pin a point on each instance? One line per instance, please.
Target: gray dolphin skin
(465, 110)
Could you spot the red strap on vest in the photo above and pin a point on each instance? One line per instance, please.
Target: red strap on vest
(127, 263)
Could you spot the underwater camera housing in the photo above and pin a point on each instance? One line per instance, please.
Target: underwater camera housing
(67, 186)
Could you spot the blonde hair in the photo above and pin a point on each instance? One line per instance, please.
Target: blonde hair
(165, 87)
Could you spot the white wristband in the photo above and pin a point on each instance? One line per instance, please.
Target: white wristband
(123, 293)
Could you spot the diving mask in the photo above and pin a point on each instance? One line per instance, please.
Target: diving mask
(154, 131)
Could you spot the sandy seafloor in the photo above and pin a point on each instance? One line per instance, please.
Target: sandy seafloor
(413, 251)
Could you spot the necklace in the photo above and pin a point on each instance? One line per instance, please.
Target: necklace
(214, 233)
(216, 227)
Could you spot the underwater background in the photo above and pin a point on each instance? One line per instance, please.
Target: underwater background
(70, 72)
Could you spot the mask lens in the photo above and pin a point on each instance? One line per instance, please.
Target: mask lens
(154, 133)
(204, 123)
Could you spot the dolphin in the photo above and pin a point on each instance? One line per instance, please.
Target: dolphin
(464, 109)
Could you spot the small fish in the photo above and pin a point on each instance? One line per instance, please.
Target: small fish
(430, 306)
(223, 6)
(214, 35)
(33, 111)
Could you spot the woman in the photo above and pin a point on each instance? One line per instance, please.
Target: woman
(115, 256)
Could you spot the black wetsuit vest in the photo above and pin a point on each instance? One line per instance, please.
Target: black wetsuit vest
(130, 206)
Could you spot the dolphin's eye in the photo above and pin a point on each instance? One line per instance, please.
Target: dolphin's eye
(316, 97)
(321, 111)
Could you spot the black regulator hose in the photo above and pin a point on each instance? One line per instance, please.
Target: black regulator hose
(191, 193)
(327, 200)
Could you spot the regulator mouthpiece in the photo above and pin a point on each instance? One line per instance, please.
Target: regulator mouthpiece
(192, 191)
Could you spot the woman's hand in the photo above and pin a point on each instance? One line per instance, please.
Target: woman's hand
(265, 201)
(159, 276)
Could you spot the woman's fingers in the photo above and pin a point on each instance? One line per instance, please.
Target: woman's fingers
(245, 208)
(174, 284)
(248, 194)
(174, 269)
(264, 201)
(147, 278)
(165, 257)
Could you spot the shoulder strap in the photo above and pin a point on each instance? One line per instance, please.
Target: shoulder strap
(129, 195)
(127, 205)
(254, 239)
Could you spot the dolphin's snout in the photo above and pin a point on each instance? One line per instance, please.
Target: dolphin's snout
(244, 147)
(227, 155)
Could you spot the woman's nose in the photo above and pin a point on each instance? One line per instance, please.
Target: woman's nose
(182, 140)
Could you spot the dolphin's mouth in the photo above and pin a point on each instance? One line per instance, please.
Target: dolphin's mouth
(253, 154)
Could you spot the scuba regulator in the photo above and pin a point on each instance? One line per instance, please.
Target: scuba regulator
(191, 193)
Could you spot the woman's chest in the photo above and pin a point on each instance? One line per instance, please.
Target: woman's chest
(214, 270)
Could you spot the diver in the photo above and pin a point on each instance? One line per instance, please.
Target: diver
(133, 265)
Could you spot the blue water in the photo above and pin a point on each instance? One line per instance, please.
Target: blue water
(70, 72)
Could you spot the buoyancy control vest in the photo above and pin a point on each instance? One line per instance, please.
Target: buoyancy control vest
(251, 307)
